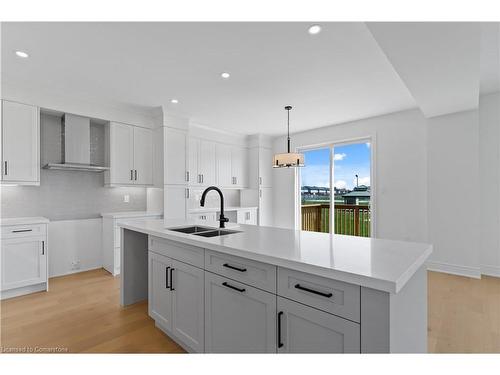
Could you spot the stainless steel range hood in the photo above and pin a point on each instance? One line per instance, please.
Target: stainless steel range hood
(75, 146)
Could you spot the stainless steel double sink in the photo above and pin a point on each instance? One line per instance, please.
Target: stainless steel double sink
(198, 230)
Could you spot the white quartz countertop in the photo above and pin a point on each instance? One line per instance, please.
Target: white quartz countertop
(127, 214)
(375, 263)
(215, 209)
(23, 220)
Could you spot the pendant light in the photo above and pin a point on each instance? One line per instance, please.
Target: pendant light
(289, 159)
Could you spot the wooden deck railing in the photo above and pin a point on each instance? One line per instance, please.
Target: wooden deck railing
(348, 219)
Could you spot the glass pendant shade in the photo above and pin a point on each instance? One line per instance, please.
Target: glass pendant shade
(288, 159)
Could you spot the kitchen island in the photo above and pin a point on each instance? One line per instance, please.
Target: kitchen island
(265, 289)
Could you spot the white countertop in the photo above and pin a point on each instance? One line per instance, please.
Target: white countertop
(215, 209)
(23, 220)
(131, 214)
(375, 263)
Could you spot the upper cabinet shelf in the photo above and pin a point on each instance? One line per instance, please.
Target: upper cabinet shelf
(130, 155)
(20, 143)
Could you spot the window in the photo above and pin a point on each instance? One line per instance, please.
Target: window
(348, 167)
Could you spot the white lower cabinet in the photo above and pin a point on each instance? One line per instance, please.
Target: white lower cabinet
(238, 318)
(224, 308)
(188, 304)
(176, 299)
(23, 259)
(160, 295)
(24, 262)
(303, 329)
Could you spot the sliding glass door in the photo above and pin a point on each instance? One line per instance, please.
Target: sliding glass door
(346, 167)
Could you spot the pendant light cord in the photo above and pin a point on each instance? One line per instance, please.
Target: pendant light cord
(288, 108)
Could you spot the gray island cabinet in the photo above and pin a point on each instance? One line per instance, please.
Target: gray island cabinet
(212, 295)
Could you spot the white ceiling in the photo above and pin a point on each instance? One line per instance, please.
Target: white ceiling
(439, 62)
(338, 75)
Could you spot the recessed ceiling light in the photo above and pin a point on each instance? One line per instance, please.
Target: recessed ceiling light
(22, 54)
(225, 75)
(314, 29)
(174, 101)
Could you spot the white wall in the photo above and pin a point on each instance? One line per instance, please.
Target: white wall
(400, 182)
(437, 180)
(74, 241)
(453, 178)
(489, 175)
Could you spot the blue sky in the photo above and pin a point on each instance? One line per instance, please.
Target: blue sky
(349, 160)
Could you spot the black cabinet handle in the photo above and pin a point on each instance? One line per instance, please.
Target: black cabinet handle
(22, 230)
(43, 247)
(327, 295)
(233, 287)
(166, 278)
(234, 268)
(131, 174)
(171, 278)
(5, 170)
(136, 174)
(280, 343)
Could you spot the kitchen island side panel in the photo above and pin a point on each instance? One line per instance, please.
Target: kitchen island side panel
(134, 267)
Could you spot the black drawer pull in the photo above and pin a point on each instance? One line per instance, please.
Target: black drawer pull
(327, 295)
(172, 279)
(22, 230)
(234, 268)
(166, 278)
(280, 344)
(233, 287)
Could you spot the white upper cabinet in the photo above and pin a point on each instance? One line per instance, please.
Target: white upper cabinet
(239, 166)
(265, 167)
(224, 173)
(20, 142)
(121, 154)
(201, 162)
(130, 155)
(175, 169)
(206, 163)
(143, 156)
(232, 166)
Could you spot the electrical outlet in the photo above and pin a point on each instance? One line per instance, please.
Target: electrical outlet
(75, 265)
(126, 198)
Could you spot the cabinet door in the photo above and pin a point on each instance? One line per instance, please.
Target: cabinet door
(121, 153)
(160, 295)
(239, 168)
(265, 207)
(303, 329)
(20, 143)
(238, 318)
(24, 262)
(193, 174)
(143, 156)
(174, 201)
(188, 304)
(206, 163)
(174, 163)
(224, 173)
(265, 167)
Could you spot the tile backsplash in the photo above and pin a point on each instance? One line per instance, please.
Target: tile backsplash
(231, 198)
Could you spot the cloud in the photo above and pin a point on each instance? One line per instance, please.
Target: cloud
(362, 181)
(338, 157)
(340, 184)
(368, 144)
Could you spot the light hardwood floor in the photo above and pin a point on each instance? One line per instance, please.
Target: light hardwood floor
(81, 313)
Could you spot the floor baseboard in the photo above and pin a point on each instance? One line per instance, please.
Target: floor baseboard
(455, 269)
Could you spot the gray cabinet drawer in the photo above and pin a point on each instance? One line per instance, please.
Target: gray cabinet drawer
(335, 297)
(178, 251)
(260, 275)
